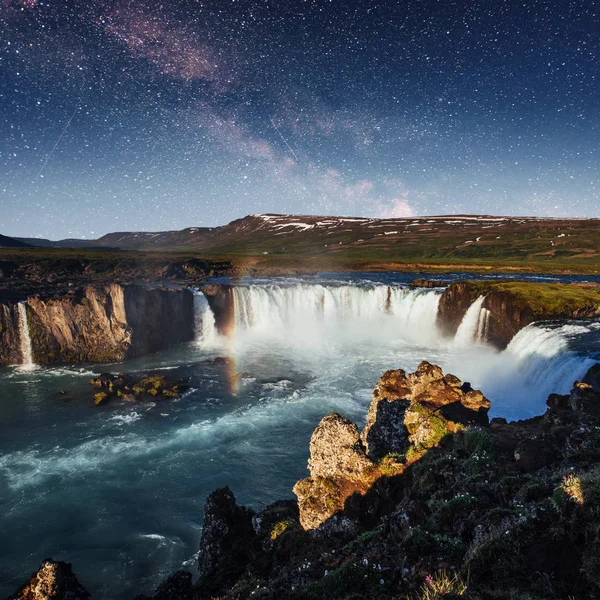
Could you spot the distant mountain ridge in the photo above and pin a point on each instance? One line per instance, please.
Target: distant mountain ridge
(8, 242)
(456, 237)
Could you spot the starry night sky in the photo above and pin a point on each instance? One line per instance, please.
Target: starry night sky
(122, 115)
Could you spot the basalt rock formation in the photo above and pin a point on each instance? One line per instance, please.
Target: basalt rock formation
(513, 305)
(98, 324)
(408, 414)
(53, 581)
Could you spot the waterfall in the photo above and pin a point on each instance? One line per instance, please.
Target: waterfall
(205, 329)
(483, 325)
(545, 359)
(307, 310)
(473, 327)
(24, 337)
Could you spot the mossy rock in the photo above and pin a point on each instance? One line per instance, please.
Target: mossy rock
(100, 398)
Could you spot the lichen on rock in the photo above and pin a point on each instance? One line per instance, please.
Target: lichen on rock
(54, 580)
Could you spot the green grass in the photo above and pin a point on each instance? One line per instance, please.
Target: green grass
(541, 298)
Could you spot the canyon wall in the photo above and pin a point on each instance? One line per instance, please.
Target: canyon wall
(513, 305)
(96, 324)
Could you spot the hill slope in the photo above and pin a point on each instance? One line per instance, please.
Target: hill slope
(8, 242)
(460, 240)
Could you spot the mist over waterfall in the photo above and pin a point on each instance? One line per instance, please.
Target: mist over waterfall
(473, 328)
(24, 337)
(205, 329)
(306, 312)
(547, 361)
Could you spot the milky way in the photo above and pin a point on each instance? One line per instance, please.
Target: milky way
(191, 113)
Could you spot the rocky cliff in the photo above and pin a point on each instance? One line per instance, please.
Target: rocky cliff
(513, 305)
(97, 324)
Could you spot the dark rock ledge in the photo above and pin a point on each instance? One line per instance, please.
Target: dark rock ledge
(428, 501)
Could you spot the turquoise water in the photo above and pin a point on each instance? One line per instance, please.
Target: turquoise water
(118, 490)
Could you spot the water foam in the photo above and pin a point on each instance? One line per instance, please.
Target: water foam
(27, 363)
(314, 313)
(205, 328)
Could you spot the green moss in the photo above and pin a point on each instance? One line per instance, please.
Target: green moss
(100, 398)
(544, 299)
(280, 527)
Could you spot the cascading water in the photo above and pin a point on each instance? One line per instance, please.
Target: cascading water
(305, 311)
(24, 337)
(544, 357)
(483, 324)
(473, 327)
(205, 329)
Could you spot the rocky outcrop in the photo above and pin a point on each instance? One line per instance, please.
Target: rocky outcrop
(513, 305)
(136, 389)
(419, 409)
(407, 414)
(227, 534)
(339, 467)
(421, 282)
(53, 581)
(99, 324)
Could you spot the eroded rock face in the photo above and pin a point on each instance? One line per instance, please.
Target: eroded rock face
(53, 581)
(336, 450)
(419, 409)
(338, 467)
(99, 324)
(225, 543)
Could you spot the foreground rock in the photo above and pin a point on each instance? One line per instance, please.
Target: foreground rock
(505, 510)
(408, 414)
(53, 581)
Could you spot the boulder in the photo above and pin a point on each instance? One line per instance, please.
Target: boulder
(419, 409)
(336, 450)
(53, 581)
(225, 542)
(338, 468)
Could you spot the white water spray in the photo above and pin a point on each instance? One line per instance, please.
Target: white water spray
(24, 337)
(205, 329)
(474, 326)
(315, 312)
(544, 358)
